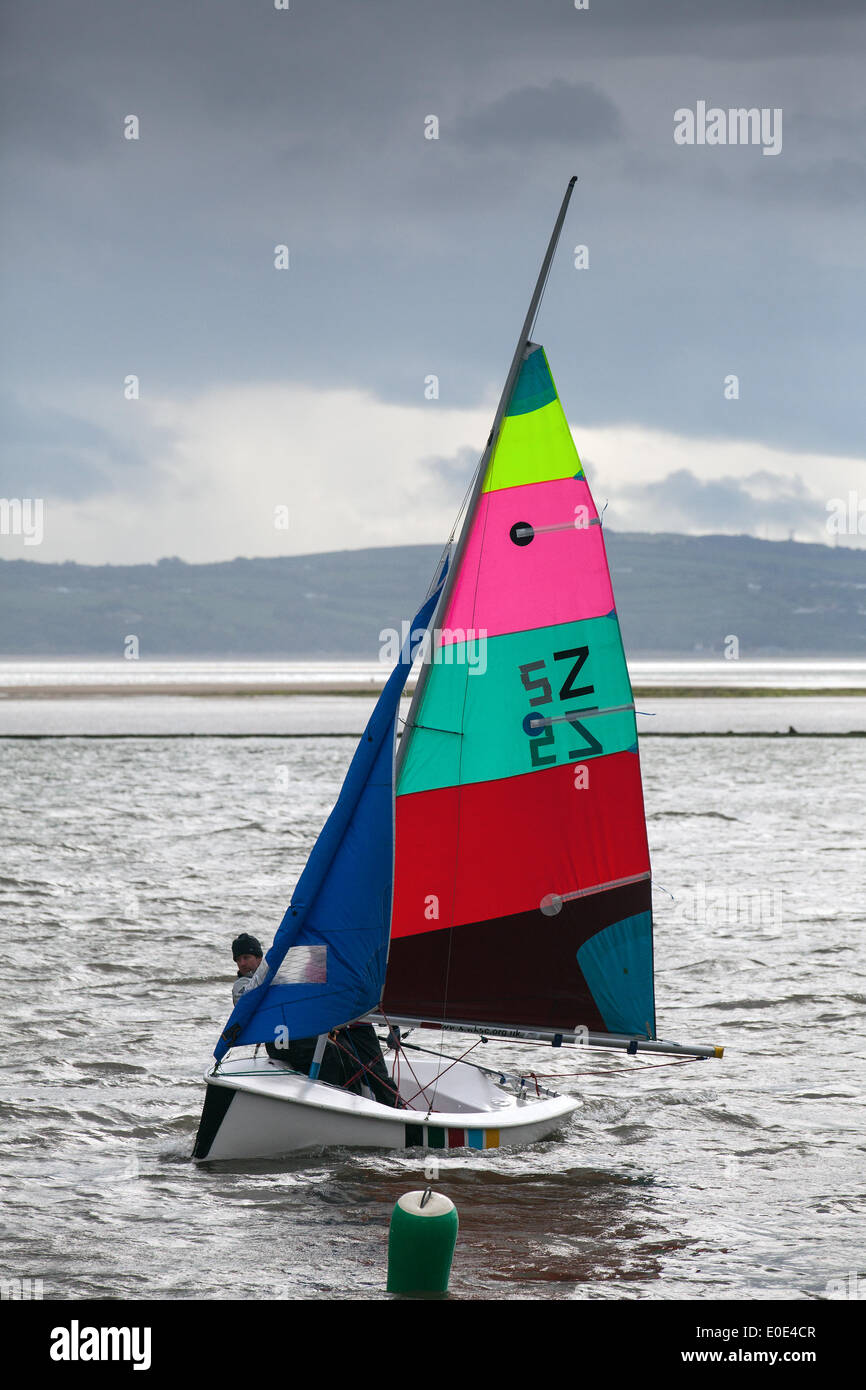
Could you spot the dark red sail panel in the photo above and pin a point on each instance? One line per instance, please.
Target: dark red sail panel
(520, 970)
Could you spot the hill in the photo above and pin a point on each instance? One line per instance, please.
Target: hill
(676, 595)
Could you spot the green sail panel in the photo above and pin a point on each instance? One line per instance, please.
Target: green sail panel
(535, 443)
(486, 705)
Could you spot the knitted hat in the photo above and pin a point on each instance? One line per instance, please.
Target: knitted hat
(246, 945)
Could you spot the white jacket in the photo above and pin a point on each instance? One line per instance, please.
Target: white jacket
(245, 982)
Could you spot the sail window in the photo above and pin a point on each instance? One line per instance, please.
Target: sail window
(303, 965)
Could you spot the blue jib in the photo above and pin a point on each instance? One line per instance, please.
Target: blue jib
(343, 898)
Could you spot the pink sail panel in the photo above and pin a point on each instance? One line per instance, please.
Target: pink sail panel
(556, 574)
(487, 849)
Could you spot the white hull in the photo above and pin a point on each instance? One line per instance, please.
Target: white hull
(256, 1108)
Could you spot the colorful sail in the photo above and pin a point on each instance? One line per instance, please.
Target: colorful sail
(522, 876)
(327, 962)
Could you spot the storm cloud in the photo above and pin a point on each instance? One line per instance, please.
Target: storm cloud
(411, 257)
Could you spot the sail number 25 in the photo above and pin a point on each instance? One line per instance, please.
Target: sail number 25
(541, 733)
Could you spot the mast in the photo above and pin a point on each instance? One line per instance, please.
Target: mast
(454, 566)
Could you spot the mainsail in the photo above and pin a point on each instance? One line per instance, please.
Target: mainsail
(327, 962)
(522, 890)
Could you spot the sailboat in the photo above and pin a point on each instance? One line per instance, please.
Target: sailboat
(491, 875)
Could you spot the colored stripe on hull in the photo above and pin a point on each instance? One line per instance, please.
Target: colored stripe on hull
(434, 1137)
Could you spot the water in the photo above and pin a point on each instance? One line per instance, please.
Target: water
(128, 865)
(306, 715)
(33, 676)
(119, 697)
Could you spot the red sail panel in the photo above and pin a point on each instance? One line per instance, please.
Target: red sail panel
(493, 849)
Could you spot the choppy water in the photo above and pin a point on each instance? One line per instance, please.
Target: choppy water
(127, 866)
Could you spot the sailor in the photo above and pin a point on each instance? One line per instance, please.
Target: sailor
(247, 956)
(352, 1054)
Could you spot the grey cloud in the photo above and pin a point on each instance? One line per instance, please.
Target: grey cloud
(52, 119)
(832, 181)
(560, 113)
(451, 476)
(732, 505)
(410, 256)
(45, 451)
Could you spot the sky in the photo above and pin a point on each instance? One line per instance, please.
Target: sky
(707, 344)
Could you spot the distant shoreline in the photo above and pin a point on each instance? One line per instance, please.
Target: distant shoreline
(237, 690)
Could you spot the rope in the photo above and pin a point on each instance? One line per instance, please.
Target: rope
(395, 1088)
(400, 1048)
(447, 1069)
(362, 1068)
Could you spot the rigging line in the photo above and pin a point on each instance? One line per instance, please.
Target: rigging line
(363, 1068)
(439, 563)
(467, 524)
(467, 494)
(469, 518)
(477, 1043)
(400, 1048)
(450, 541)
(497, 1071)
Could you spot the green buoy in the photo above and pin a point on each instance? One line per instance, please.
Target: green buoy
(421, 1243)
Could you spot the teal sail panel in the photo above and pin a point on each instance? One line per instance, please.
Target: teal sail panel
(617, 964)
